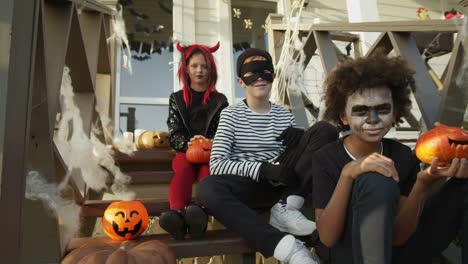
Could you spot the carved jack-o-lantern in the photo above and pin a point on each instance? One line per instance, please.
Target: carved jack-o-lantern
(125, 220)
(199, 151)
(443, 142)
(152, 139)
(161, 139)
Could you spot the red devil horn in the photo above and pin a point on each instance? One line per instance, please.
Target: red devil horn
(179, 48)
(214, 48)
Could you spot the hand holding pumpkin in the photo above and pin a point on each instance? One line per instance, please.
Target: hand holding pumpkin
(199, 150)
(458, 169)
(195, 138)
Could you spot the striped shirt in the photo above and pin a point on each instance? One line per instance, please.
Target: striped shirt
(245, 139)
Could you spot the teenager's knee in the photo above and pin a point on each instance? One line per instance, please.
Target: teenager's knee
(376, 187)
(208, 190)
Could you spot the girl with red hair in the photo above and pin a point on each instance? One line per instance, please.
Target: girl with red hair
(193, 113)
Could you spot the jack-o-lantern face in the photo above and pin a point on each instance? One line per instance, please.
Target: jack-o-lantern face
(199, 151)
(161, 139)
(125, 220)
(443, 142)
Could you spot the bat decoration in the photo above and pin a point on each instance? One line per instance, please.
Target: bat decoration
(248, 23)
(148, 31)
(237, 13)
(137, 15)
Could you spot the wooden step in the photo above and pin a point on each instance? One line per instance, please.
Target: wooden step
(96, 208)
(148, 177)
(143, 156)
(216, 242)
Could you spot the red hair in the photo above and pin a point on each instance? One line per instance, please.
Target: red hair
(187, 53)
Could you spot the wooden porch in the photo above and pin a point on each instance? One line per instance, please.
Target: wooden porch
(55, 34)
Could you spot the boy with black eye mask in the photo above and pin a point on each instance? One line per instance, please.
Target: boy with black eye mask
(257, 69)
(258, 156)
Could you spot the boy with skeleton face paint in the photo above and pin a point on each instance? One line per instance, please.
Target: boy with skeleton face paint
(370, 197)
(258, 156)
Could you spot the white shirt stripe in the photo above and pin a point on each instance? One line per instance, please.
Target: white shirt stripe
(245, 138)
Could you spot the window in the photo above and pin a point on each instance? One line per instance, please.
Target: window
(149, 30)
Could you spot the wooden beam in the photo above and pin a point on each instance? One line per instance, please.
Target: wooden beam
(309, 49)
(426, 95)
(357, 45)
(90, 26)
(104, 66)
(326, 49)
(327, 54)
(92, 5)
(76, 58)
(433, 25)
(17, 118)
(454, 94)
(344, 36)
(56, 26)
(40, 146)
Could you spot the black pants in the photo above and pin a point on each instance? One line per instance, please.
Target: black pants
(368, 233)
(229, 198)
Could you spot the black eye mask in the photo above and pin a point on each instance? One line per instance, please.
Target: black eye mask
(258, 69)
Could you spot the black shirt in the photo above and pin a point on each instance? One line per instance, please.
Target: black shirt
(328, 162)
(197, 113)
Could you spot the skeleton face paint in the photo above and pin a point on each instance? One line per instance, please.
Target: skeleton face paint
(370, 114)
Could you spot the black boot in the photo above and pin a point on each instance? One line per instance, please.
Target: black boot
(196, 220)
(173, 223)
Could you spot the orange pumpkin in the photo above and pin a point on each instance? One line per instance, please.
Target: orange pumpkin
(149, 252)
(443, 142)
(199, 151)
(125, 220)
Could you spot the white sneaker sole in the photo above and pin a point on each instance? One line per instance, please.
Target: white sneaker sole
(277, 225)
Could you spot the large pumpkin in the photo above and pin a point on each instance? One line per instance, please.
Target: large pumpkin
(125, 220)
(199, 151)
(149, 252)
(443, 142)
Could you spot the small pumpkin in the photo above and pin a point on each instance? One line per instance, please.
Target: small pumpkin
(145, 140)
(152, 139)
(149, 252)
(443, 142)
(125, 220)
(199, 151)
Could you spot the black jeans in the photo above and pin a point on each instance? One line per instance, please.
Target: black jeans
(229, 198)
(368, 232)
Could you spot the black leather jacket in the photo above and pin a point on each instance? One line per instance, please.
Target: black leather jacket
(179, 133)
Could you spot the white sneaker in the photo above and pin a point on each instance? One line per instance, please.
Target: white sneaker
(288, 218)
(292, 251)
